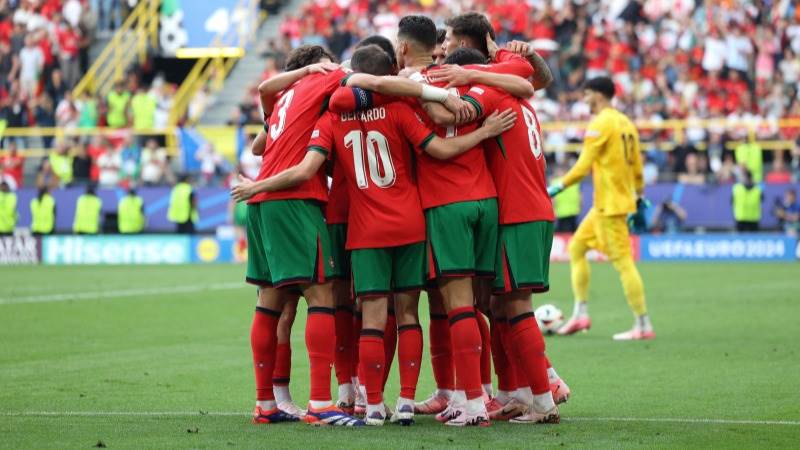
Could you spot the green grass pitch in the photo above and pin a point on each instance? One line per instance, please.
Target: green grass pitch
(93, 354)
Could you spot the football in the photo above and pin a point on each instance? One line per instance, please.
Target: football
(549, 318)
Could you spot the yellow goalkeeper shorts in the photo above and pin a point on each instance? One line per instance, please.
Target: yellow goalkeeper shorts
(608, 234)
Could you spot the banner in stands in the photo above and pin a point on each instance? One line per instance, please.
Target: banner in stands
(21, 248)
(142, 249)
(208, 249)
(560, 250)
(716, 247)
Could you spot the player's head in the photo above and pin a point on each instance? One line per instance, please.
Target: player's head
(372, 60)
(468, 30)
(438, 51)
(598, 92)
(305, 55)
(91, 189)
(384, 43)
(4, 187)
(416, 36)
(464, 56)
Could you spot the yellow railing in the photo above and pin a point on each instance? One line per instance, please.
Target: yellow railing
(129, 42)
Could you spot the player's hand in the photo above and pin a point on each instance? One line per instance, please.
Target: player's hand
(499, 122)
(555, 189)
(452, 75)
(519, 47)
(491, 46)
(637, 222)
(244, 190)
(323, 68)
(463, 111)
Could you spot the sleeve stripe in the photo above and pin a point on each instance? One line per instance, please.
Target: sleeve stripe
(427, 140)
(345, 78)
(318, 149)
(475, 103)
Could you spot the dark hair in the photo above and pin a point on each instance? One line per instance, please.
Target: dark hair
(474, 27)
(91, 189)
(603, 85)
(41, 192)
(463, 56)
(419, 29)
(384, 43)
(441, 34)
(305, 55)
(372, 60)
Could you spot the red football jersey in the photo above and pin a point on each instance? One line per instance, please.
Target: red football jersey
(296, 111)
(516, 158)
(338, 199)
(372, 149)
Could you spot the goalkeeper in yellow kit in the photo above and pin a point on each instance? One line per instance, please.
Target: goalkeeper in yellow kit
(611, 152)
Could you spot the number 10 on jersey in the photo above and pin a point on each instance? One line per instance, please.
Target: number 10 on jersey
(379, 160)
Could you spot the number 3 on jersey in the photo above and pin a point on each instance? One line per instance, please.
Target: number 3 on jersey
(283, 105)
(378, 158)
(534, 138)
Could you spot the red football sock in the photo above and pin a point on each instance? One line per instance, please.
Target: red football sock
(486, 348)
(529, 344)
(263, 340)
(466, 340)
(547, 360)
(357, 324)
(371, 362)
(344, 345)
(409, 358)
(389, 343)
(320, 327)
(506, 378)
(441, 352)
(511, 355)
(283, 364)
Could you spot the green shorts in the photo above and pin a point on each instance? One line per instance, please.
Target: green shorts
(341, 256)
(523, 257)
(240, 214)
(381, 271)
(462, 239)
(287, 243)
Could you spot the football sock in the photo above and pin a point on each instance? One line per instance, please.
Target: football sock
(320, 327)
(445, 392)
(357, 324)
(503, 396)
(506, 378)
(466, 339)
(524, 395)
(543, 402)
(552, 376)
(580, 309)
(458, 398)
(371, 362)
(266, 405)
(441, 352)
(475, 406)
(529, 345)
(519, 377)
(404, 401)
(347, 392)
(344, 344)
(580, 273)
(263, 340)
(390, 345)
(377, 407)
(486, 351)
(643, 322)
(283, 365)
(282, 394)
(632, 284)
(409, 358)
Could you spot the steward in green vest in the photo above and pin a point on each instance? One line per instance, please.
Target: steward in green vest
(61, 163)
(183, 206)
(87, 213)
(8, 209)
(130, 213)
(567, 207)
(747, 197)
(43, 213)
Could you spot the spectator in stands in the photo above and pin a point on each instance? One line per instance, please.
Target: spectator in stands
(750, 156)
(61, 164)
(81, 166)
(69, 38)
(44, 116)
(669, 218)
(130, 156)
(746, 201)
(11, 165)
(88, 113)
(55, 86)
(109, 164)
(787, 210)
(117, 103)
(210, 163)
(249, 164)
(143, 110)
(154, 164)
(727, 173)
(694, 171)
(97, 146)
(779, 173)
(67, 114)
(31, 64)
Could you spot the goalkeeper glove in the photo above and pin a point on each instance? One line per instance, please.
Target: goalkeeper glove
(555, 189)
(637, 221)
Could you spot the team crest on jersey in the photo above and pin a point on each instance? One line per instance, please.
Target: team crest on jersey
(330, 261)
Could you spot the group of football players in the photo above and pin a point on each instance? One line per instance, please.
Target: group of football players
(438, 184)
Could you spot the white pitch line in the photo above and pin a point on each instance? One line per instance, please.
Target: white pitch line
(243, 414)
(119, 293)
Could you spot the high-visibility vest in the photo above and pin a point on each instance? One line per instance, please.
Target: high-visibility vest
(568, 202)
(62, 167)
(43, 214)
(746, 203)
(8, 211)
(87, 214)
(130, 217)
(180, 204)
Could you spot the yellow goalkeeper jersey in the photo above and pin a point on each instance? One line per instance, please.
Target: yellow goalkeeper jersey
(611, 152)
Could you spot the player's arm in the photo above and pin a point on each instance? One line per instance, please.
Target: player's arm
(596, 137)
(542, 76)
(459, 76)
(637, 166)
(346, 99)
(289, 178)
(268, 89)
(494, 125)
(259, 145)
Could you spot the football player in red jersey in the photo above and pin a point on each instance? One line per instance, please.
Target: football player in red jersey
(516, 162)
(386, 235)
